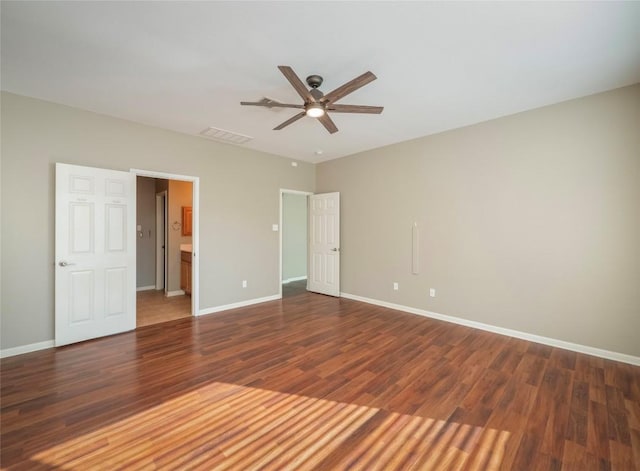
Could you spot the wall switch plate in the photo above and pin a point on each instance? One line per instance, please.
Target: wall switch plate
(244, 283)
(274, 228)
(432, 292)
(138, 228)
(395, 286)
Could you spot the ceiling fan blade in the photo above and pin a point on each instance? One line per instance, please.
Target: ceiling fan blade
(295, 81)
(271, 104)
(355, 109)
(289, 121)
(328, 123)
(349, 87)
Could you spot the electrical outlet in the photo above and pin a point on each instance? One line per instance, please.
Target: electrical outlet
(432, 292)
(395, 286)
(244, 283)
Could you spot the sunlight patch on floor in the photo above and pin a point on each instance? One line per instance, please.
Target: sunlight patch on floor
(225, 426)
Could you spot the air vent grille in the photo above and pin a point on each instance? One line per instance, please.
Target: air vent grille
(225, 136)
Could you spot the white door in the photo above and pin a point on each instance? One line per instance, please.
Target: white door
(324, 244)
(95, 292)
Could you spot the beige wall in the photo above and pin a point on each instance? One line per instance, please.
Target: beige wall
(146, 239)
(529, 222)
(179, 195)
(239, 201)
(294, 235)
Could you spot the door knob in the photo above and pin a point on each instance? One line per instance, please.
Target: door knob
(335, 249)
(62, 263)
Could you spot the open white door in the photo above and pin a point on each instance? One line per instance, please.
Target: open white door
(95, 292)
(324, 244)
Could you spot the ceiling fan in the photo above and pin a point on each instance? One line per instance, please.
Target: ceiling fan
(317, 104)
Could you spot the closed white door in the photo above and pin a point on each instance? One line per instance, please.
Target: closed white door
(324, 244)
(95, 291)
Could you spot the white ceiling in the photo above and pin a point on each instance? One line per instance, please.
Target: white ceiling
(186, 66)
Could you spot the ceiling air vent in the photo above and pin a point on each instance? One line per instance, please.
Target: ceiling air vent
(225, 136)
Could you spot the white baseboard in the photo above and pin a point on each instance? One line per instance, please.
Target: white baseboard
(32, 347)
(249, 302)
(177, 292)
(146, 288)
(574, 347)
(296, 278)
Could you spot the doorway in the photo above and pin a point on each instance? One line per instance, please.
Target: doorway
(167, 245)
(320, 247)
(293, 242)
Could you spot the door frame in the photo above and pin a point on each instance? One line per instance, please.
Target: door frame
(195, 234)
(293, 192)
(161, 240)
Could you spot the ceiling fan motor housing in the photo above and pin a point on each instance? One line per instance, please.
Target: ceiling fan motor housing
(314, 81)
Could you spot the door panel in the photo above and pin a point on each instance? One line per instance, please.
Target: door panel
(324, 244)
(81, 295)
(115, 187)
(81, 184)
(95, 253)
(116, 230)
(116, 291)
(81, 227)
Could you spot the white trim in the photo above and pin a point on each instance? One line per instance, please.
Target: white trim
(178, 292)
(575, 347)
(32, 347)
(295, 278)
(161, 175)
(248, 302)
(292, 192)
(146, 288)
(195, 232)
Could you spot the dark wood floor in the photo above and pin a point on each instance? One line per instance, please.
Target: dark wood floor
(314, 382)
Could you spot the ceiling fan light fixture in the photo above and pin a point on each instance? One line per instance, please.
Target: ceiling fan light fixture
(315, 110)
(316, 104)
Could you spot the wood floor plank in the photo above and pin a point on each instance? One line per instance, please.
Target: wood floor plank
(314, 382)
